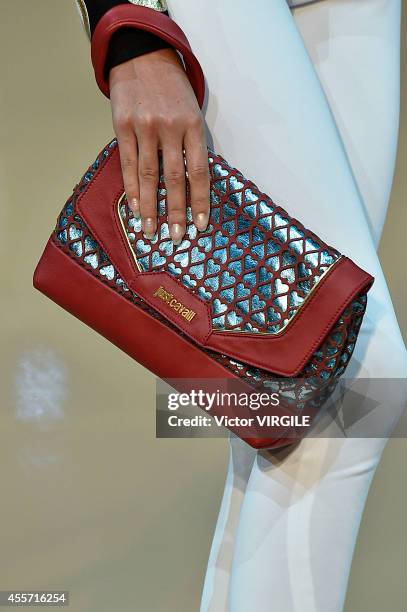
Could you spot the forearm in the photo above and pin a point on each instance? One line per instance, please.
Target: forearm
(155, 108)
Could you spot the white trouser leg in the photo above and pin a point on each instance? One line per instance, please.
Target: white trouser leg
(216, 587)
(355, 49)
(268, 115)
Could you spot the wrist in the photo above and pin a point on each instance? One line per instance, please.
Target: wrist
(127, 44)
(151, 21)
(149, 69)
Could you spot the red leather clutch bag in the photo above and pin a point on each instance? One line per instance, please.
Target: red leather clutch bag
(254, 297)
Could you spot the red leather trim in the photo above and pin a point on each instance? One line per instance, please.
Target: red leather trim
(98, 207)
(128, 327)
(149, 20)
(121, 322)
(284, 354)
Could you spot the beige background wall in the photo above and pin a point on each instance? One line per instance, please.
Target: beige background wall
(90, 501)
(393, 240)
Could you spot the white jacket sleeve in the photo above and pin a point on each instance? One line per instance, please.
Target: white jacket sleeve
(83, 12)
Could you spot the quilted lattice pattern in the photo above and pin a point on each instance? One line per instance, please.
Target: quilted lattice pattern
(314, 383)
(328, 362)
(254, 264)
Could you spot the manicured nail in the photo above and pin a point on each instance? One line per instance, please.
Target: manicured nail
(135, 207)
(176, 233)
(201, 221)
(149, 228)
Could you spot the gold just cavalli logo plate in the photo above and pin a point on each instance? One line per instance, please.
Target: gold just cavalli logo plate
(173, 303)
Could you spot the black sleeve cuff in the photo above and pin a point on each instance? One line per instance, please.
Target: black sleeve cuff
(128, 43)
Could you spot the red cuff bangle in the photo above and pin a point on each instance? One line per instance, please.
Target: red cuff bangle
(147, 19)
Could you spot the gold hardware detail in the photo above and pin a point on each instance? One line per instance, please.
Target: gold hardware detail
(157, 5)
(173, 303)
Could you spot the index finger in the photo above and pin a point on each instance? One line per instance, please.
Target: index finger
(129, 164)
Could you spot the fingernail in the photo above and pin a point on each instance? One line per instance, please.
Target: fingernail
(176, 233)
(149, 228)
(135, 207)
(201, 221)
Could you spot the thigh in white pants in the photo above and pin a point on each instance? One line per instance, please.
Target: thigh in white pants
(306, 105)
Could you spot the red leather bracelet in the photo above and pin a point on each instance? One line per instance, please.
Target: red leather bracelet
(152, 21)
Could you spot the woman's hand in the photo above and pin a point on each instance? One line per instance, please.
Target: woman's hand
(154, 107)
